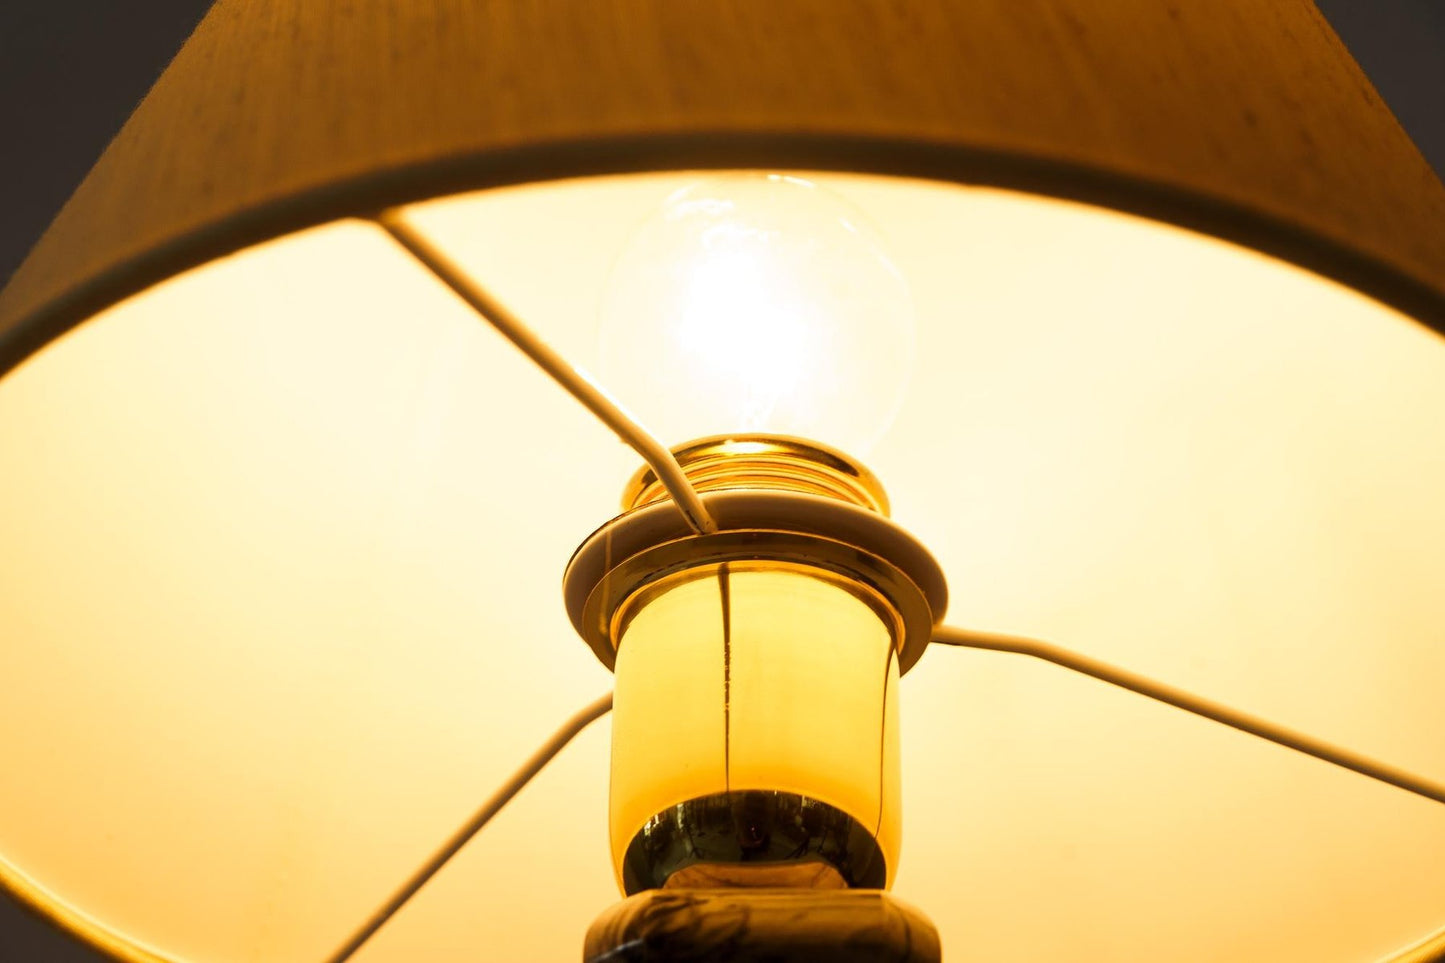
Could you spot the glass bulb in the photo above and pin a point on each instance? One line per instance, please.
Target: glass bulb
(758, 303)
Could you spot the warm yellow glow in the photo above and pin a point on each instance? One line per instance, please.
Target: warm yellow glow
(800, 697)
(668, 731)
(759, 302)
(254, 665)
(815, 698)
(282, 542)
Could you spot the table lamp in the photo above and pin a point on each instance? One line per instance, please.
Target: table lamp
(840, 375)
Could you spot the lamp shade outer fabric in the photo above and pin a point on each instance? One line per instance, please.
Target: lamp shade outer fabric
(1241, 119)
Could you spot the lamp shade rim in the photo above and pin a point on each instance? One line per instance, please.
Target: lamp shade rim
(1421, 299)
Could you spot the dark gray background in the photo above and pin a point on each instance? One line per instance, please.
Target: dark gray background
(72, 70)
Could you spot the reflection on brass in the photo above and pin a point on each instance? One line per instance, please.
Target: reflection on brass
(753, 828)
(872, 582)
(800, 875)
(891, 572)
(753, 925)
(772, 499)
(764, 461)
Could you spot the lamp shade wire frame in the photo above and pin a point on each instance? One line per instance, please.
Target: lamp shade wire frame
(453, 845)
(578, 383)
(672, 477)
(964, 638)
(1200, 706)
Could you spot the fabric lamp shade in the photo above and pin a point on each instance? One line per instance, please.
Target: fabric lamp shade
(283, 521)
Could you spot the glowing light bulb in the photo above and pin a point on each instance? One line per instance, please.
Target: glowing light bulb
(758, 303)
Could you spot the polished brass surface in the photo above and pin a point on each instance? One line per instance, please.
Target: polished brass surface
(753, 828)
(756, 461)
(828, 535)
(614, 599)
(799, 875)
(712, 925)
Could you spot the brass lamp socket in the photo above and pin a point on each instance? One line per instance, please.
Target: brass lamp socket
(775, 500)
(774, 462)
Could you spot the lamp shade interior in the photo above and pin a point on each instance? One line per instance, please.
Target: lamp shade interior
(280, 599)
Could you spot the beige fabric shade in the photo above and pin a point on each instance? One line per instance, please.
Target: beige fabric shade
(1245, 120)
(283, 522)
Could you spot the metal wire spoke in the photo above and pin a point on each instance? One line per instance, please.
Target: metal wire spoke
(1200, 706)
(577, 382)
(539, 759)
